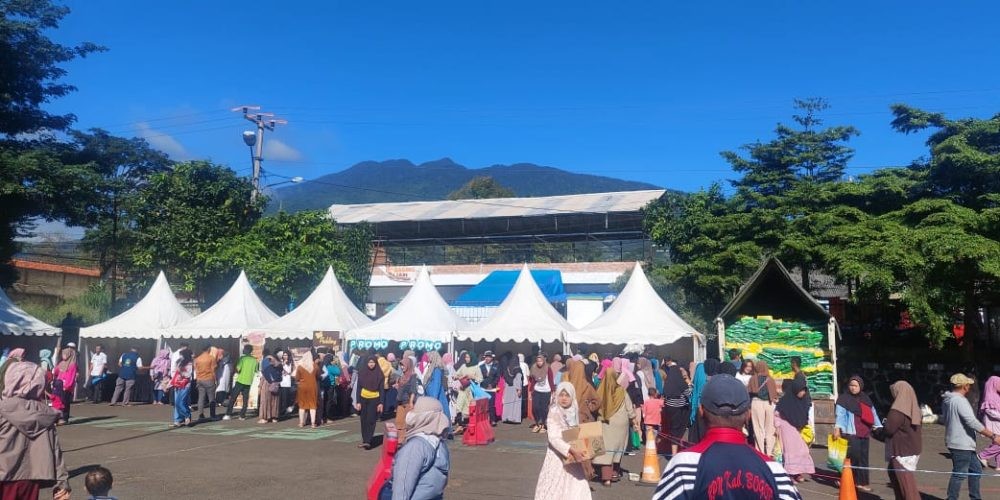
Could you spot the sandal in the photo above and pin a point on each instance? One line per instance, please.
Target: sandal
(262, 421)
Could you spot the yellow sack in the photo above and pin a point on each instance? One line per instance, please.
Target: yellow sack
(836, 452)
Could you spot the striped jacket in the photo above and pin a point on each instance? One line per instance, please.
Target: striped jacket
(723, 467)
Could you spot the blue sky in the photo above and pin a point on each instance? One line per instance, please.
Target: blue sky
(649, 91)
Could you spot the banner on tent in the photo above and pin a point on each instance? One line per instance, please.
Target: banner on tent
(328, 339)
(416, 345)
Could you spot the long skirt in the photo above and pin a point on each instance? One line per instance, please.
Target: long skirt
(616, 432)
(511, 405)
(677, 423)
(991, 454)
(904, 483)
(268, 402)
(794, 450)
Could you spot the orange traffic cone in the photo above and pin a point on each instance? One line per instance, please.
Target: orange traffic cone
(847, 488)
(650, 460)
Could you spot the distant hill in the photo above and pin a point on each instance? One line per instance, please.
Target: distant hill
(401, 180)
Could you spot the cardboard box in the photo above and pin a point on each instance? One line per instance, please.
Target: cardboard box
(588, 439)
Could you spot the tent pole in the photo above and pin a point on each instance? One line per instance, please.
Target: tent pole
(831, 334)
(720, 329)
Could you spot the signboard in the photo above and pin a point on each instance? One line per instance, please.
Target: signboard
(328, 339)
(416, 345)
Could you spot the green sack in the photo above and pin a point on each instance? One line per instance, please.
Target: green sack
(636, 439)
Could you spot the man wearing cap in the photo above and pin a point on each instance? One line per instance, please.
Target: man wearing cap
(722, 466)
(491, 377)
(961, 427)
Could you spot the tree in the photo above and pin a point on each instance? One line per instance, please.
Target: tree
(189, 214)
(479, 188)
(33, 182)
(124, 167)
(786, 184)
(287, 254)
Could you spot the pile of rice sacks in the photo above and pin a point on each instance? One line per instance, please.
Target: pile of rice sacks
(776, 341)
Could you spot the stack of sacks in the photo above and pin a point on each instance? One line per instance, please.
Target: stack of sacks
(776, 341)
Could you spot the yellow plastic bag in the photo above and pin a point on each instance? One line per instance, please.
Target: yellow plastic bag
(808, 435)
(836, 452)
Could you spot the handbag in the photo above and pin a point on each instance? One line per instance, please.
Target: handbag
(273, 387)
(464, 381)
(478, 392)
(179, 381)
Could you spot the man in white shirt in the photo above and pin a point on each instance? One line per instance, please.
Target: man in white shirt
(98, 371)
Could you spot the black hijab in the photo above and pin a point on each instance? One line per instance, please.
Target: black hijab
(510, 371)
(711, 366)
(674, 385)
(370, 379)
(791, 407)
(851, 402)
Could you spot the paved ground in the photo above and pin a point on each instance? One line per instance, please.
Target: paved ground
(226, 459)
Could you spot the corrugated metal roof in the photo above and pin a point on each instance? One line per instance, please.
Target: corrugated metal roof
(623, 201)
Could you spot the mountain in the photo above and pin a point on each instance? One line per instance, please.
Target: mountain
(401, 180)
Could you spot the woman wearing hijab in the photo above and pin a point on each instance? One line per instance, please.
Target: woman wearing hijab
(763, 394)
(856, 419)
(328, 382)
(791, 415)
(676, 399)
(31, 458)
(466, 374)
(306, 396)
(556, 366)
(513, 385)
(696, 425)
(64, 383)
(615, 413)
(406, 394)
(421, 466)
(903, 440)
(990, 410)
(436, 381)
(558, 480)
(14, 356)
(159, 372)
(541, 391)
(270, 379)
(644, 372)
(181, 385)
(371, 397)
(586, 396)
(658, 375)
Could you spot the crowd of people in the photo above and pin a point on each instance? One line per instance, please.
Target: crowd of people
(434, 397)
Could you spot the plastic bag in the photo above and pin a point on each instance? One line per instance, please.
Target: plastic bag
(836, 452)
(636, 439)
(478, 392)
(807, 434)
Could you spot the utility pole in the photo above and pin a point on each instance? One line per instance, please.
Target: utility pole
(255, 139)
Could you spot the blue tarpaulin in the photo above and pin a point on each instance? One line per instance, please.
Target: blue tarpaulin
(495, 287)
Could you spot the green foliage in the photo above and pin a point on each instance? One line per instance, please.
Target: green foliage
(188, 217)
(91, 307)
(481, 188)
(287, 254)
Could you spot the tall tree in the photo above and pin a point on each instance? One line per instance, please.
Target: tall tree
(481, 188)
(189, 215)
(287, 254)
(33, 180)
(124, 167)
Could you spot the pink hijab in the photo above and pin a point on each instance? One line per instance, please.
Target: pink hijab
(605, 364)
(991, 394)
(24, 380)
(625, 375)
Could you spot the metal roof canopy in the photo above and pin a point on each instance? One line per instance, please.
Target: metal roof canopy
(598, 215)
(772, 291)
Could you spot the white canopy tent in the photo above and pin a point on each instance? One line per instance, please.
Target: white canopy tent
(639, 316)
(525, 315)
(16, 321)
(158, 310)
(236, 313)
(326, 309)
(422, 315)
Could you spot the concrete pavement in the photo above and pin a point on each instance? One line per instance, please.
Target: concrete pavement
(244, 459)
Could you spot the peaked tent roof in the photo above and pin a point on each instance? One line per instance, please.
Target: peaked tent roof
(159, 309)
(326, 309)
(637, 316)
(16, 321)
(524, 316)
(237, 312)
(780, 296)
(421, 315)
(497, 285)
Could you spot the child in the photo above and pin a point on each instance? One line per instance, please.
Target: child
(652, 412)
(98, 482)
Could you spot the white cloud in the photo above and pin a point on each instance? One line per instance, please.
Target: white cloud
(163, 141)
(277, 150)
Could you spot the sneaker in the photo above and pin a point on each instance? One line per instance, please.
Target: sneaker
(242, 417)
(226, 417)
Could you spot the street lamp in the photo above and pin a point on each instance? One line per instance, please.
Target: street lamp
(293, 180)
